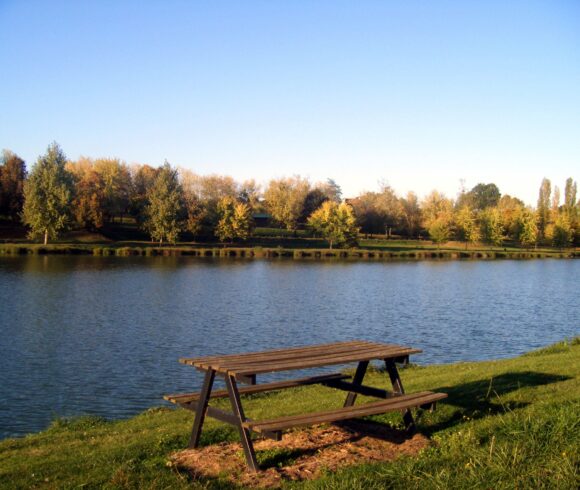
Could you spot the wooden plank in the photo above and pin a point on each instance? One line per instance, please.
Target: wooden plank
(236, 364)
(259, 368)
(307, 348)
(373, 408)
(270, 356)
(239, 364)
(224, 362)
(216, 413)
(249, 390)
(314, 360)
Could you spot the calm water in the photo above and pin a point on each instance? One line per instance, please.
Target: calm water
(102, 335)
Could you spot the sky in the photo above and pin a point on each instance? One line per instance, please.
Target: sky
(420, 95)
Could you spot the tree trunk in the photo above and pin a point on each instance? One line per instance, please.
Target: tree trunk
(330, 244)
(45, 237)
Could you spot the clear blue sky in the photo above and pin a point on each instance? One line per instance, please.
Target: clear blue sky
(419, 94)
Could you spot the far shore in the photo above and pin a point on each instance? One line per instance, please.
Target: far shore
(369, 250)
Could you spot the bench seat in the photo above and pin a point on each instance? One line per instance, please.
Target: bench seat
(186, 398)
(424, 399)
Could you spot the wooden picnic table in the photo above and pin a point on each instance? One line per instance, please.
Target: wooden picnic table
(244, 368)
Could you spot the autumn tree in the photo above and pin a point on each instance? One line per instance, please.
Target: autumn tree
(116, 178)
(467, 225)
(411, 214)
(510, 210)
(88, 204)
(284, 200)
(250, 193)
(47, 195)
(164, 209)
(562, 234)
(492, 230)
(439, 231)
(12, 177)
(234, 220)
(207, 191)
(335, 222)
(437, 211)
(379, 212)
(142, 179)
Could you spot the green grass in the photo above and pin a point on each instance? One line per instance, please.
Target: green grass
(511, 423)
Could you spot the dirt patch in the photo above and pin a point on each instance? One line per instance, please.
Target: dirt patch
(302, 454)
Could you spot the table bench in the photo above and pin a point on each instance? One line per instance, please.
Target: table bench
(244, 368)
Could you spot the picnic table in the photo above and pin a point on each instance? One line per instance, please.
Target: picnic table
(244, 368)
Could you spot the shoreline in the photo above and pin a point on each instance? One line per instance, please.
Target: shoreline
(258, 252)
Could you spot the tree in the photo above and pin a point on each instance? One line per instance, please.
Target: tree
(208, 190)
(88, 205)
(250, 194)
(437, 211)
(411, 214)
(483, 196)
(12, 177)
(528, 235)
(543, 208)
(335, 222)
(285, 200)
(164, 208)
(47, 195)
(491, 226)
(142, 179)
(510, 210)
(439, 231)
(116, 178)
(235, 220)
(563, 233)
(467, 225)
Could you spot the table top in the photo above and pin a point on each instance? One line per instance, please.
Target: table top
(299, 357)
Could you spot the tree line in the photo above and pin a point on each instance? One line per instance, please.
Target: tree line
(58, 194)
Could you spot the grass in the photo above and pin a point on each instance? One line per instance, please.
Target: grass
(511, 423)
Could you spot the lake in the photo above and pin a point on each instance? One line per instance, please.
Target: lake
(102, 335)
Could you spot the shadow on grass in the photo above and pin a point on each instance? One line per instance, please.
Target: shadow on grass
(478, 399)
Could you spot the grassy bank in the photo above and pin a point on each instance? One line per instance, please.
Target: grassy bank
(385, 251)
(507, 424)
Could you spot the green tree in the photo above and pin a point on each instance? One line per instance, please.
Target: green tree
(467, 225)
(12, 177)
(483, 196)
(285, 200)
(164, 209)
(234, 220)
(543, 208)
(528, 227)
(47, 195)
(335, 222)
(491, 226)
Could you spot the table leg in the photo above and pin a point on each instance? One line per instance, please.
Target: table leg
(399, 390)
(357, 380)
(241, 418)
(201, 408)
